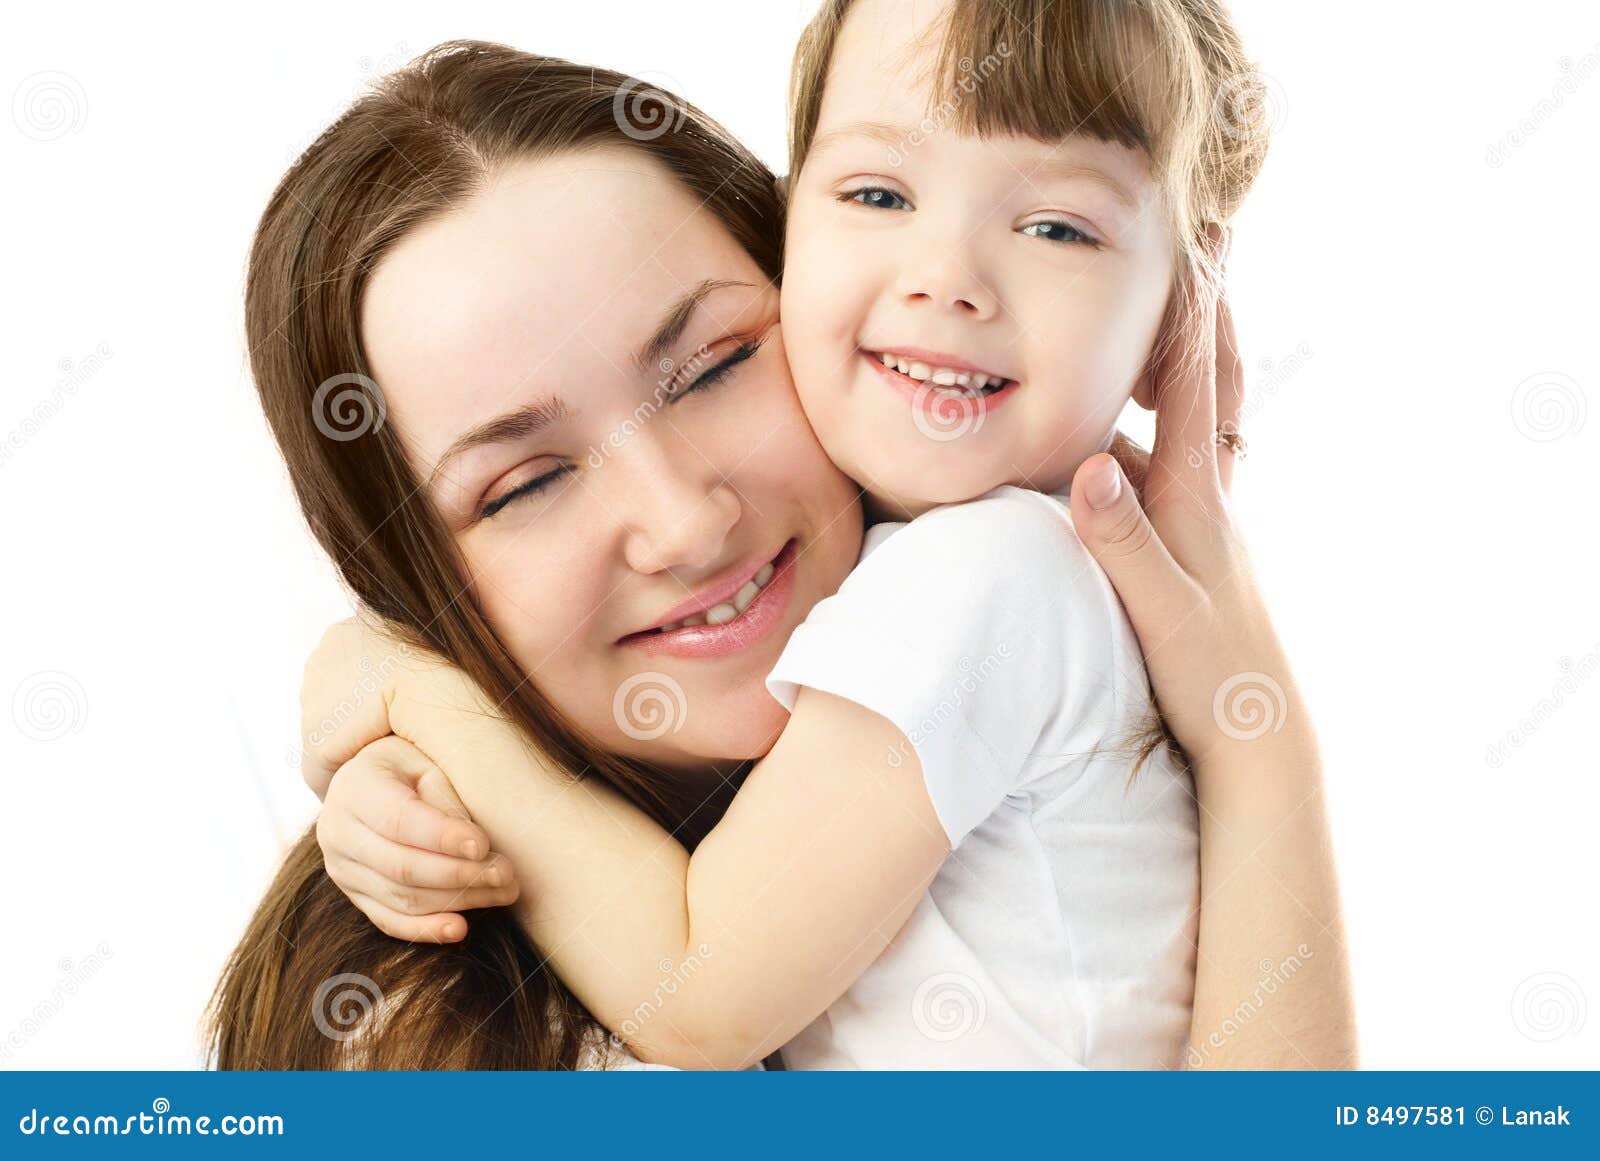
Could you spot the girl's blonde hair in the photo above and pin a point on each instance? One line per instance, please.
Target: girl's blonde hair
(1169, 77)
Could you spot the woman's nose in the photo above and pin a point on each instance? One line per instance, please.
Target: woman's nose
(675, 508)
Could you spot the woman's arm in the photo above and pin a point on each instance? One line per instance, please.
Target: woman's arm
(1272, 988)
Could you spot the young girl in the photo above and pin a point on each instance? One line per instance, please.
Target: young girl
(997, 215)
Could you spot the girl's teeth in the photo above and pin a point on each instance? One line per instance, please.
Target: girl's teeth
(939, 376)
(764, 574)
(720, 614)
(687, 622)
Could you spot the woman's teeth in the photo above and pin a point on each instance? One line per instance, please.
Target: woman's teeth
(728, 610)
(963, 381)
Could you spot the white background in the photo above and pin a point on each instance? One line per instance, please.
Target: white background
(1415, 292)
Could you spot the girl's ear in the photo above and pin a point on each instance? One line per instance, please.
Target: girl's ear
(1144, 390)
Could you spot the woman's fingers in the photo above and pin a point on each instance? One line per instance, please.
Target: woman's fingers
(1230, 390)
(1153, 586)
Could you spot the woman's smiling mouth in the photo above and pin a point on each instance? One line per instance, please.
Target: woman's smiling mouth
(733, 621)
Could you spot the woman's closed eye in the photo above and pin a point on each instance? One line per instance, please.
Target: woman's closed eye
(707, 379)
(531, 487)
(719, 371)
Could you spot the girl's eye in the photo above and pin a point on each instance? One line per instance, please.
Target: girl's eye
(877, 198)
(531, 488)
(714, 375)
(1059, 231)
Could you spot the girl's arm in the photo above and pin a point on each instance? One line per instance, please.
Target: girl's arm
(1271, 934)
(710, 961)
(834, 836)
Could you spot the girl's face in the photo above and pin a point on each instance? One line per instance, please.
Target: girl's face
(587, 372)
(961, 311)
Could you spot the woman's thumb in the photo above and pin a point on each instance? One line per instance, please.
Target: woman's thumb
(1117, 533)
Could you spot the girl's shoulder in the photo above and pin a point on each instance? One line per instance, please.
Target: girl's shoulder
(1010, 541)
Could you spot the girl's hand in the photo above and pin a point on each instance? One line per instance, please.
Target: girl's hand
(389, 815)
(394, 835)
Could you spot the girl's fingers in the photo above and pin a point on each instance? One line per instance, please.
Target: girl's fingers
(408, 866)
(444, 928)
(1230, 390)
(469, 840)
(393, 806)
(357, 879)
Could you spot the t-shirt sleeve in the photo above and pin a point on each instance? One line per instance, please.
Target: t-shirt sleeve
(980, 631)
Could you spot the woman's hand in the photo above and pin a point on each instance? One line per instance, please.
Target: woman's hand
(1269, 889)
(1178, 563)
(395, 836)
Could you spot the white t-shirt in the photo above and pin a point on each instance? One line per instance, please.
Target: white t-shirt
(1060, 931)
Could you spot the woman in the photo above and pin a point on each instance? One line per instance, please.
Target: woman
(686, 242)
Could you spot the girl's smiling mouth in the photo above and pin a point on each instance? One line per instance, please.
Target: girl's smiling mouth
(934, 380)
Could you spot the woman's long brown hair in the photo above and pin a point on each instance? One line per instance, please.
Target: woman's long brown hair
(311, 969)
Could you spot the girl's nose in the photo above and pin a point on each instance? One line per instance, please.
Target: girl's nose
(946, 282)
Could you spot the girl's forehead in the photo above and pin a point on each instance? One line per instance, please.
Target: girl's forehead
(884, 59)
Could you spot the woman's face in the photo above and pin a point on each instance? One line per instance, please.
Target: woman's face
(587, 373)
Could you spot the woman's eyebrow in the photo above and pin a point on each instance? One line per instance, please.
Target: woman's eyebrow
(531, 418)
(516, 424)
(671, 327)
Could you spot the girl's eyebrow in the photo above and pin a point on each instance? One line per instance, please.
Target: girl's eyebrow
(872, 130)
(1065, 169)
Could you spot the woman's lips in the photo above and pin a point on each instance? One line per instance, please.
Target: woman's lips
(760, 618)
(925, 395)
